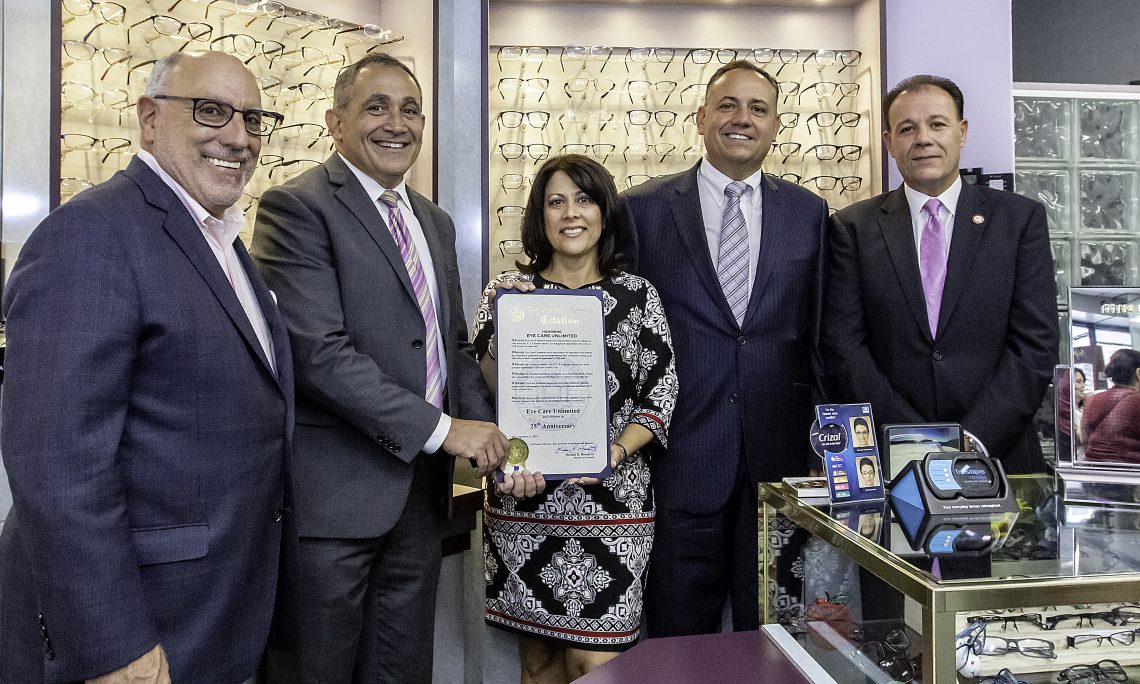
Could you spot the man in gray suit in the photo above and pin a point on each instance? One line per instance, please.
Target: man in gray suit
(148, 405)
(388, 389)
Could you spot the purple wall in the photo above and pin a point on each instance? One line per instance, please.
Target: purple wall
(971, 43)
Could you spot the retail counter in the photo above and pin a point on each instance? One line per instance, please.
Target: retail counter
(1060, 571)
(467, 503)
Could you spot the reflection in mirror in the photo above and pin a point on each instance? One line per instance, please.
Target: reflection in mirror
(1103, 389)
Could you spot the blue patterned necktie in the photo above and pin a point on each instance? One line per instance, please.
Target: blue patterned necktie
(732, 254)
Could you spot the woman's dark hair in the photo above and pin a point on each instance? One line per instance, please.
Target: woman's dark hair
(1122, 365)
(592, 179)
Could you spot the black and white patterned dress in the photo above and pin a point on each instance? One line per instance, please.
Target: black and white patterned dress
(570, 563)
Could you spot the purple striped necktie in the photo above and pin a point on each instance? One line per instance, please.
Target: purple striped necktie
(932, 263)
(411, 258)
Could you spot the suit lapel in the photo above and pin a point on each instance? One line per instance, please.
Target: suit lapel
(186, 234)
(963, 249)
(898, 234)
(771, 223)
(352, 195)
(431, 234)
(277, 332)
(686, 208)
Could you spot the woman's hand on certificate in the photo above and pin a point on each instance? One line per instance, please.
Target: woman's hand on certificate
(617, 454)
(520, 285)
(522, 484)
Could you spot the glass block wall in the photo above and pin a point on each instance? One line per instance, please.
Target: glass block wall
(1078, 154)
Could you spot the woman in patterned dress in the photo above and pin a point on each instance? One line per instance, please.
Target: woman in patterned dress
(565, 569)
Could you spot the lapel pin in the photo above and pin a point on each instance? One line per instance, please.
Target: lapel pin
(978, 219)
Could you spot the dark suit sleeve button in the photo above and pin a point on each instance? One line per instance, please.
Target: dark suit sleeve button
(734, 397)
(742, 340)
(937, 356)
(418, 344)
(278, 515)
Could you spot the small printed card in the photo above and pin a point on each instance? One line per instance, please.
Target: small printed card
(808, 487)
(845, 437)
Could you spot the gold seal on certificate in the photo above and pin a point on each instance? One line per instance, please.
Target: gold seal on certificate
(516, 454)
(552, 392)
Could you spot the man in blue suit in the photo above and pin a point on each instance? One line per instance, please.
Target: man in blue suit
(738, 258)
(148, 409)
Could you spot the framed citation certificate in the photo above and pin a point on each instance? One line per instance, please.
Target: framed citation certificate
(552, 395)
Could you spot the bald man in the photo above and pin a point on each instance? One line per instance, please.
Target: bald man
(147, 409)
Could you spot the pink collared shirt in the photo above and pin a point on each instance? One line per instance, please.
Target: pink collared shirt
(220, 235)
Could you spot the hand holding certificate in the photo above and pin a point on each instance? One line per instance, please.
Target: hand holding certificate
(552, 394)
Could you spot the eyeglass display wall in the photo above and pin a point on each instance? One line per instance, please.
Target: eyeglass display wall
(634, 110)
(1078, 153)
(109, 48)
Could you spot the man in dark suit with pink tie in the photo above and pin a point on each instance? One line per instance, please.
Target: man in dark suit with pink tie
(738, 257)
(941, 302)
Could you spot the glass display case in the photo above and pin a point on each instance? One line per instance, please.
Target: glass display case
(1056, 587)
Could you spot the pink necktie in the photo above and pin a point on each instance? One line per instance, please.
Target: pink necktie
(932, 263)
(411, 258)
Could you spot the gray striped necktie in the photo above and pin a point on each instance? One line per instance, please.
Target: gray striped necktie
(732, 254)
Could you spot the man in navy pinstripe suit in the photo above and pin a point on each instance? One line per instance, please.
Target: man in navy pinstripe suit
(747, 362)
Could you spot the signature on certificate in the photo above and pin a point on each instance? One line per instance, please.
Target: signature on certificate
(583, 448)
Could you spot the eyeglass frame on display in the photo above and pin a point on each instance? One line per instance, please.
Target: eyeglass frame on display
(590, 52)
(1047, 650)
(840, 150)
(290, 162)
(525, 150)
(511, 211)
(844, 119)
(102, 142)
(524, 118)
(651, 87)
(511, 242)
(523, 55)
(523, 85)
(835, 86)
(651, 150)
(592, 116)
(651, 51)
(597, 83)
(1125, 637)
(1032, 618)
(192, 37)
